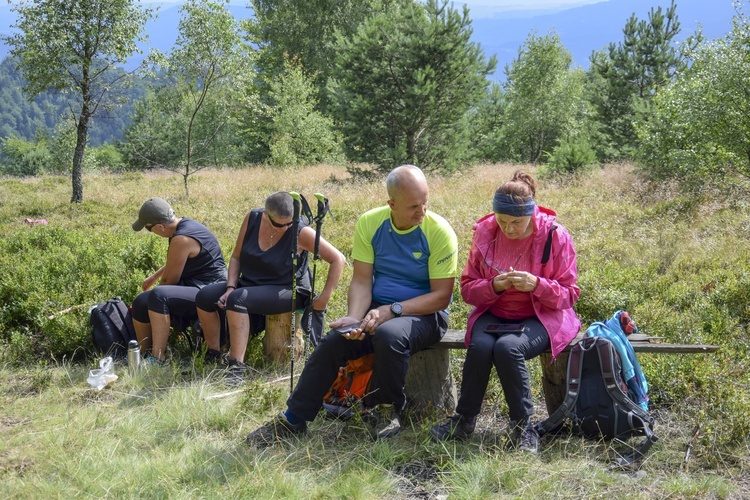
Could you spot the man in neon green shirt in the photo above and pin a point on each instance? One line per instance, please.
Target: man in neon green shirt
(405, 261)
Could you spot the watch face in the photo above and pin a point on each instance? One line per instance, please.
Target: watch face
(396, 308)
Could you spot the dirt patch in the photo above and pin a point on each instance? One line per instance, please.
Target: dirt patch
(10, 422)
(418, 480)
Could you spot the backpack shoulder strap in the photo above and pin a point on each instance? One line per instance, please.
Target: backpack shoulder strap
(638, 419)
(119, 314)
(548, 244)
(573, 385)
(606, 354)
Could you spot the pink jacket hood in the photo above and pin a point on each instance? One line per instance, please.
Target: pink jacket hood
(556, 293)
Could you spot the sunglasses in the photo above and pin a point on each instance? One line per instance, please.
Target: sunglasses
(149, 228)
(276, 224)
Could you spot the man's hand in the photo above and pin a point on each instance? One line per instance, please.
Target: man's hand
(353, 334)
(376, 317)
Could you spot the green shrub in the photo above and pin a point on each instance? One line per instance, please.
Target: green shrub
(107, 157)
(50, 269)
(570, 156)
(19, 157)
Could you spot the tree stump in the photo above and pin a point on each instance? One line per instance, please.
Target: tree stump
(554, 379)
(277, 340)
(429, 383)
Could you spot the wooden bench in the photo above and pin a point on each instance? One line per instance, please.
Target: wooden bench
(429, 381)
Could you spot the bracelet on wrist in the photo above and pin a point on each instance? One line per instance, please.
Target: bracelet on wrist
(232, 287)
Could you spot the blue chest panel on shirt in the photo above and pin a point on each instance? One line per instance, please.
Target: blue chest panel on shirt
(401, 266)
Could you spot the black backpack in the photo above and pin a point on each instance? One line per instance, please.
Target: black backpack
(112, 327)
(597, 404)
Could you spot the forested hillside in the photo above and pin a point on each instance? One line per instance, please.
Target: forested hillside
(26, 119)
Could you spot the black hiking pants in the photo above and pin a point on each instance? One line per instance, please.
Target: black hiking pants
(393, 342)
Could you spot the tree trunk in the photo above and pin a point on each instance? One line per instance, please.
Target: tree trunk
(429, 383)
(77, 173)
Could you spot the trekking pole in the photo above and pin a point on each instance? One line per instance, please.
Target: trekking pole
(295, 257)
(323, 209)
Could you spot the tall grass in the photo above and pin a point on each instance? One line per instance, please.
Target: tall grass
(678, 264)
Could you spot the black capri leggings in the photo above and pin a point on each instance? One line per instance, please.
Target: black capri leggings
(175, 300)
(263, 299)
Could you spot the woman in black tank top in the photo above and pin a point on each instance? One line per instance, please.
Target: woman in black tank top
(260, 277)
(194, 259)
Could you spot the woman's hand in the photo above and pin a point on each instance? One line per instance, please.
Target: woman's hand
(149, 282)
(522, 281)
(319, 303)
(222, 302)
(500, 283)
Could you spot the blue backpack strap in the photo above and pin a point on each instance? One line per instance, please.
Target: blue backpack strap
(548, 244)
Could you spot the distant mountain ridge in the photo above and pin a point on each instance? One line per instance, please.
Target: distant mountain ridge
(582, 29)
(587, 28)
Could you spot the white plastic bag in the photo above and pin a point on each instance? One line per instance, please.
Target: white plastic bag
(105, 375)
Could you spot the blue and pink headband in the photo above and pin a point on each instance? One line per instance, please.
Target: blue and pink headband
(510, 205)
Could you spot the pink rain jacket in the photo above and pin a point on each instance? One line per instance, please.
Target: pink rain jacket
(556, 293)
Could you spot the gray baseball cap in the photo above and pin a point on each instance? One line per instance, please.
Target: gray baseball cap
(153, 211)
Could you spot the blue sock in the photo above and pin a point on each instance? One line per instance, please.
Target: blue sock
(292, 418)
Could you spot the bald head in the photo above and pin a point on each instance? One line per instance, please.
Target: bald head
(404, 177)
(408, 195)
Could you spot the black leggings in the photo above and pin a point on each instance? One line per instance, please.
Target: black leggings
(174, 300)
(264, 299)
(508, 354)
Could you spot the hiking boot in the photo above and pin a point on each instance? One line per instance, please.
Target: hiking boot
(456, 427)
(236, 373)
(524, 437)
(274, 431)
(385, 421)
(212, 357)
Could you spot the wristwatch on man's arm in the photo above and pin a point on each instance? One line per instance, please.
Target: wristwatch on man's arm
(397, 309)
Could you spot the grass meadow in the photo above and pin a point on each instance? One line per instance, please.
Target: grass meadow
(678, 263)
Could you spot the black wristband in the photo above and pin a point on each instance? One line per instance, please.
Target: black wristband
(232, 287)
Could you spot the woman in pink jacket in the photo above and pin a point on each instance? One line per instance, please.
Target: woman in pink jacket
(521, 279)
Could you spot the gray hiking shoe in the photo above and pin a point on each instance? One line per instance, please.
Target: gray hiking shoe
(151, 360)
(274, 431)
(456, 427)
(524, 437)
(385, 421)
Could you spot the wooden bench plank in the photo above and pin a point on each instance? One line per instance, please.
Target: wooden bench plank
(454, 339)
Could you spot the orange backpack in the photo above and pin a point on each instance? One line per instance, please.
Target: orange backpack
(349, 388)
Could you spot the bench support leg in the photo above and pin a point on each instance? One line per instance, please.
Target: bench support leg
(276, 342)
(429, 383)
(554, 379)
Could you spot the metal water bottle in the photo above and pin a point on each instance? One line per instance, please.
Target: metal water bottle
(134, 357)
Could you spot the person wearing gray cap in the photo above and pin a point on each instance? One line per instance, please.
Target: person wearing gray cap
(194, 259)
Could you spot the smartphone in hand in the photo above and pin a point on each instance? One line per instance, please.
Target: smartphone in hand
(347, 328)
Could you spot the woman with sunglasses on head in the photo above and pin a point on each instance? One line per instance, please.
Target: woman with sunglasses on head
(521, 279)
(259, 281)
(194, 259)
